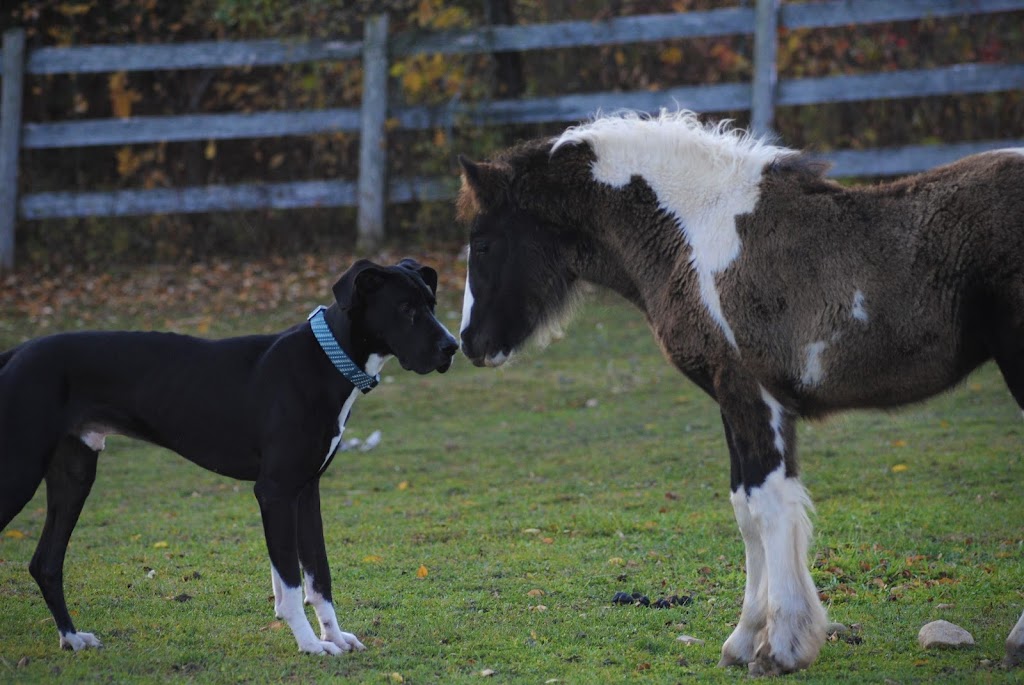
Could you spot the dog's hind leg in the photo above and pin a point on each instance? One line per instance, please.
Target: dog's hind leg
(22, 476)
(316, 570)
(69, 479)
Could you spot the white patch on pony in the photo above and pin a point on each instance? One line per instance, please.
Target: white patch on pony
(813, 372)
(776, 419)
(78, 640)
(1014, 150)
(275, 582)
(373, 366)
(795, 619)
(859, 311)
(738, 650)
(329, 628)
(291, 612)
(467, 302)
(703, 175)
(94, 439)
(495, 360)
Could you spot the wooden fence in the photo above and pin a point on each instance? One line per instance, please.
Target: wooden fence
(373, 190)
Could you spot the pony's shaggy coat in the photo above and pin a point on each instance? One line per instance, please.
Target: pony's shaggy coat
(780, 293)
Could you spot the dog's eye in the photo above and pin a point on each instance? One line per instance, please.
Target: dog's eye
(407, 310)
(478, 247)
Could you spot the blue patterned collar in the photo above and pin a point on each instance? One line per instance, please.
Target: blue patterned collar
(348, 368)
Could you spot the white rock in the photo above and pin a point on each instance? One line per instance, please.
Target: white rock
(687, 640)
(943, 634)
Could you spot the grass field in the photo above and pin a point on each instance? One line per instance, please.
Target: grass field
(503, 510)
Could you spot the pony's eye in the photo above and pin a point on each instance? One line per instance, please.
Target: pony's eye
(406, 309)
(478, 247)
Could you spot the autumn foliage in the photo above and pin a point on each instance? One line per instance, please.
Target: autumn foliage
(426, 79)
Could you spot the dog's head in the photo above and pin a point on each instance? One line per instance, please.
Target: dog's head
(393, 308)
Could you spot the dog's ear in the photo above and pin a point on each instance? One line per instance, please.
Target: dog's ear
(428, 275)
(362, 277)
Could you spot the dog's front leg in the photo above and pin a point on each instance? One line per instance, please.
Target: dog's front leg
(316, 570)
(279, 508)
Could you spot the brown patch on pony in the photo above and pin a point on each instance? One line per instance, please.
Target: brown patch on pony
(467, 203)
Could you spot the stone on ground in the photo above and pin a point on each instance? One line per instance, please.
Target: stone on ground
(944, 635)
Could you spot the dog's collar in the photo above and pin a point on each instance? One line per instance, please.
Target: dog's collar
(342, 362)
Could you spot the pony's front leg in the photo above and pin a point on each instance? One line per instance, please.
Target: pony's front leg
(782, 625)
(738, 650)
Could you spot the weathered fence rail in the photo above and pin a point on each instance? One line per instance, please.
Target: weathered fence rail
(761, 96)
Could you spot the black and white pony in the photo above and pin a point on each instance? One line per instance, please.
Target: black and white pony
(780, 293)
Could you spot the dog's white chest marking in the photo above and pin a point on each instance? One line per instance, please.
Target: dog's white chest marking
(373, 366)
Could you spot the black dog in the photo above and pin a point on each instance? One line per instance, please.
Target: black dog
(267, 408)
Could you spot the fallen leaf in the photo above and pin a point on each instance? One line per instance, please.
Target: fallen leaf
(372, 559)
(531, 531)
(547, 541)
(422, 571)
(536, 592)
(160, 545)
(14, 534)
(899, 468)
(538, 607)
(404, 485)
(899, 443)
(616, 561)
(487, 672)
(396, 677)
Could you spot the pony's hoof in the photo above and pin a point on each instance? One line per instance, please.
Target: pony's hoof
(765, 666)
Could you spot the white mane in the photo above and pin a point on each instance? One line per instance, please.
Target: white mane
(678, 135)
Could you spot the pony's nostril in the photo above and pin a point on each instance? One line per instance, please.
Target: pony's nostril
(450, 347)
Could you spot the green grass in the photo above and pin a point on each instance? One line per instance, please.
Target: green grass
(506, 482)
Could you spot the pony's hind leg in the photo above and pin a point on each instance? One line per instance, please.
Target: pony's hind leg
(68, 482)
(1009, 356)
(1015, 645)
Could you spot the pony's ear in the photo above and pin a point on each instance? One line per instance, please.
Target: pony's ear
(484, 184)
(362, 277)
(428, 275)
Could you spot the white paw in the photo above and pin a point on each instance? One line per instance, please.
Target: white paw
(79, 640)
(347, 641)
(320, 647)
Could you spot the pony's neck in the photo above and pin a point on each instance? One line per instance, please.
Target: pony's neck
(631, 264)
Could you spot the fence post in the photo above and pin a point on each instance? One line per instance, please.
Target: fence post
(372, 187)
(10, 140)
(766, 46)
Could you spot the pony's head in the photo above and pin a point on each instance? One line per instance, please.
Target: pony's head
(520, 276)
